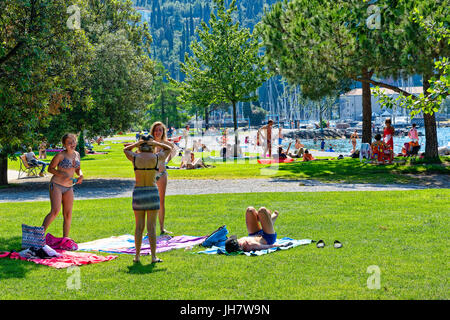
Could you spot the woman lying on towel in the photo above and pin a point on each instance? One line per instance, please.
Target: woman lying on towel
(261, 232)
(145, 193)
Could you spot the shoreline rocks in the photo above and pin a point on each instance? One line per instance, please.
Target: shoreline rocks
(332, 133)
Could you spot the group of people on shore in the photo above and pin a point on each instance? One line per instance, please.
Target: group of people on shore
(382, 148)
(264, 138)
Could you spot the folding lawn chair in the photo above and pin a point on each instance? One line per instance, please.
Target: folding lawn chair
(365, 152)
(27, 169)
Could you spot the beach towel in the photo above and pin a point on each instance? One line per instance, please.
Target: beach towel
(67, 259)
(125, 244)
(269, 161)
(287, 242)
(60, 243)
(219, 159)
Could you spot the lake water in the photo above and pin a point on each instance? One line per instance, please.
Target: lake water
(339, 145)
(345, 146)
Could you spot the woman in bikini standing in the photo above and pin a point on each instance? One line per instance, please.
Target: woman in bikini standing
(63, 167)
(158, 131)
(145, 194)
(353, 138)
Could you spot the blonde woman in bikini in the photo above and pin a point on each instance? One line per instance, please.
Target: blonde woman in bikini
(159, 132)
(63, 167)
(353, 138)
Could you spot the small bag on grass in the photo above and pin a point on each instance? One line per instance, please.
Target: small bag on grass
(217, 238)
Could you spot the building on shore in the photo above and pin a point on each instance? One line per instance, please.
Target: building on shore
(350, 103)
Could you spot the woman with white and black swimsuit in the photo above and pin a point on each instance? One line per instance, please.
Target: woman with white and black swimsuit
(63, 167)
(158, 131)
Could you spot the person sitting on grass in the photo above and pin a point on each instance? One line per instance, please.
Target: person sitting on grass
(261, 232)
(381, 151)
(190, 162)
(204, 148)
(307, 156)
(282, 154)
(299, 152)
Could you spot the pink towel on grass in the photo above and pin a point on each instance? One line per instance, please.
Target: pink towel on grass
(68, 259)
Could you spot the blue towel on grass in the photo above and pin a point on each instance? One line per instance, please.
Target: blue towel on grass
(283, 241)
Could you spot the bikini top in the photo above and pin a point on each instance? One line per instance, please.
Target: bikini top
(67, 163)
(136, 168)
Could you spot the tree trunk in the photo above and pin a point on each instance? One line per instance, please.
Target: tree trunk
(3, 170)
(206, 118)
(431, 140)
(81, 147)
(321, 120)
(235, 129)
(162, 105)
(366, 110)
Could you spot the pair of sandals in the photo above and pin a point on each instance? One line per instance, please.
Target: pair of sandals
(321, 244)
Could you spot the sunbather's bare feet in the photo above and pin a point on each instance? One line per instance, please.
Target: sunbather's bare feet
(163, 232)
(274, 216)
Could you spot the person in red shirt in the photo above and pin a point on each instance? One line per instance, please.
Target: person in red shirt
(388, 134)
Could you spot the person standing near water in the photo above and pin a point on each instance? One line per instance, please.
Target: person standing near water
(267, 138)
(388, 134)
(413, 134)
(186, 136)
(388, 137)
(353, 138)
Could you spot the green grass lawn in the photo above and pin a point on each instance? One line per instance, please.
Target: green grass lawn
(405, 234)
(115, 164)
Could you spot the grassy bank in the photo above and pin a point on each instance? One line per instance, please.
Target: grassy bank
(403, 233)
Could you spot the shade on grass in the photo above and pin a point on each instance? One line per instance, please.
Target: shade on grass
(405, 234)
(116, 165)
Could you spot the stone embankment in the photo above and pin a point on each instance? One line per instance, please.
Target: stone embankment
(332, 133)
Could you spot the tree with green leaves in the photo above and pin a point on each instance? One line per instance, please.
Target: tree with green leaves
(35, 66)
(115, 92)
(225, 60)
(436, 81)
(322, 44)
(164, 105)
